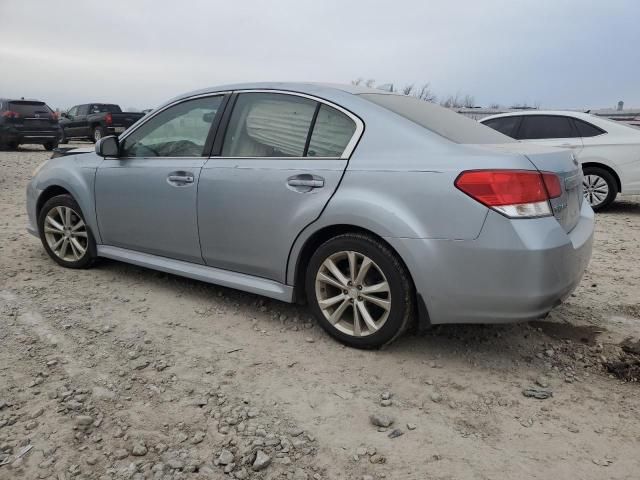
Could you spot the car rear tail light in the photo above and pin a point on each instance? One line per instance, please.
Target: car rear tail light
(11, 114)
(108, 119)
(513, 193)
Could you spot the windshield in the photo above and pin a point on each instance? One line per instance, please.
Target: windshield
(104, 107)
(440, 120)
(29, 109)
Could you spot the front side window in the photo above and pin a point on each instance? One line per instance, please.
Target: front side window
(73, 112)
(545, 126)
(332, 132)
(178, 131)
(506, 125)
(83, 109)
(268, 125)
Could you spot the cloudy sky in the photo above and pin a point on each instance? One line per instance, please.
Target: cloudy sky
(559, 53)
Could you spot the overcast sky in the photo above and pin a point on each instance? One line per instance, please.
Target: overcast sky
(559, 53)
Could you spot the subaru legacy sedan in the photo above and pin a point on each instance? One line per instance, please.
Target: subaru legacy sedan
(379, 211)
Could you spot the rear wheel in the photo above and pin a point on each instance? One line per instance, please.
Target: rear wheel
(64, 233)
(359, 290)
(50, 145)
(98, 133)
(600, 188)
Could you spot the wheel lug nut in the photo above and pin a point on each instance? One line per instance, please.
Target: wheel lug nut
(359, 287)
(359, 299)
(350, 283)
(345, 291)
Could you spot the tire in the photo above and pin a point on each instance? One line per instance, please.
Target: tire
(97, 133)
(386, 266)
(50, 145)
(57, 207)
(600, 187)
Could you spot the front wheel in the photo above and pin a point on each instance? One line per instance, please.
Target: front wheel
(50, 145)
(600, 188)
(64, 233)
(359, 290)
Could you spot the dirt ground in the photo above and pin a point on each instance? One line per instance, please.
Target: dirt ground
(120, 372)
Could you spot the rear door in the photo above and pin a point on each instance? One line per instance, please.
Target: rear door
(279, 160)
(551, 130)
(80, 124)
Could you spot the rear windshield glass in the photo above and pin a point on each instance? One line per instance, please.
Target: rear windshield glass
(103, 108)
(440, 120)
(26, 108)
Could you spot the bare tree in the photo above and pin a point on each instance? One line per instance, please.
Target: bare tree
(425, 93)
(468, 101)
(452, 101)
(357, 81)
(407, 89)
(495, 106)
(370, 83)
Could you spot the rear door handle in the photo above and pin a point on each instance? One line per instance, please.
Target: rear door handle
(312, 183)
(180, 178)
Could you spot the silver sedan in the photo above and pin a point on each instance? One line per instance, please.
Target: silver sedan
(380, 211)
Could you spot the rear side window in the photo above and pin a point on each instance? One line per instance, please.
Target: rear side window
(83, 109)
(545, 126)
(103, 108)
(268, 125)
(507, 125)
(586, 129)
(29, 109)
(440, 120)
(332, 132)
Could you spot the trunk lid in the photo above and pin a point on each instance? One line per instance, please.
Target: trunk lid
(566, 207)
(32, 117)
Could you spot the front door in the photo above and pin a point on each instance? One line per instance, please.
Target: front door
(146, 199)
(282, 158)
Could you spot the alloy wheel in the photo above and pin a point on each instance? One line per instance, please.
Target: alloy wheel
(97, 134)
(66, 234)
(596, 189)
(353, 293)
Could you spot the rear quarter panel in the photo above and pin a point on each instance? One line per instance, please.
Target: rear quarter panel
(623, 158)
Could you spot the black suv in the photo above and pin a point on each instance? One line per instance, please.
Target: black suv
(27, 121)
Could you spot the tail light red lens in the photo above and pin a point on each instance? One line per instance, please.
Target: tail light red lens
(514, 193)
(11, 114)
(552, 183)
(108, 119)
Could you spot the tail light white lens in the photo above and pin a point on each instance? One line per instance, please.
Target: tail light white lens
(513, 193)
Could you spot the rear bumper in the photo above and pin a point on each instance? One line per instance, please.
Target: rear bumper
(516, 270)
(37, 136)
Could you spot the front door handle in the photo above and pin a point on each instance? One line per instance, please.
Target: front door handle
(305, 182)
(180, 178)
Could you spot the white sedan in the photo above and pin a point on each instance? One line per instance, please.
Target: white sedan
(608, 151)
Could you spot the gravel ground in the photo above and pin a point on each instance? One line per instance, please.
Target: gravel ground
(120, 372)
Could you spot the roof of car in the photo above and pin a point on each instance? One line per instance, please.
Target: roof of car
(311, 88)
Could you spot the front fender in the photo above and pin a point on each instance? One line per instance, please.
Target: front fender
(78, 179)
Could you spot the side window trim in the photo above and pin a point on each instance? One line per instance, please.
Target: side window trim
(311, 128)
(213, 130)
(346, 154)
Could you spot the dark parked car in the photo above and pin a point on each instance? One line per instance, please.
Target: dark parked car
(95, 120)
(27, 121)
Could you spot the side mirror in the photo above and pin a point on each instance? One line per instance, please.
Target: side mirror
(108, 146)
